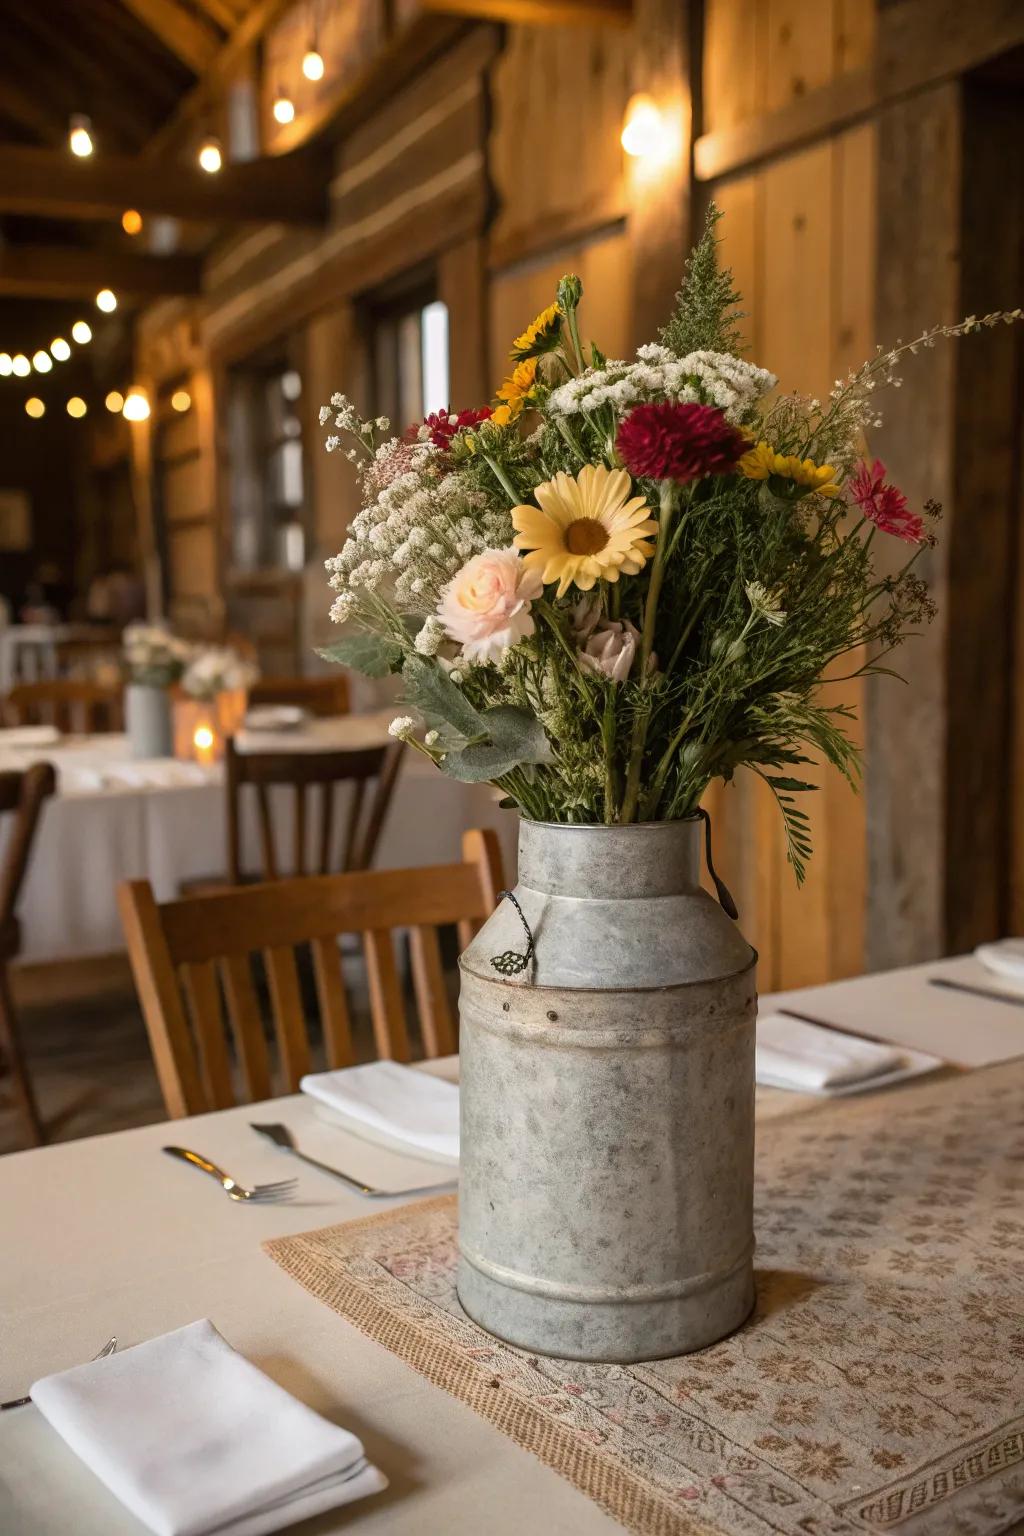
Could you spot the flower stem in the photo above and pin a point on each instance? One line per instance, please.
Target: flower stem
(636, 754)
(502, 479)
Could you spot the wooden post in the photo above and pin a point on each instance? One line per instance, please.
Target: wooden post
(939, 752)
(660, 185)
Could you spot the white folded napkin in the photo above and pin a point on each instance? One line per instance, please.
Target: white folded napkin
(21, 737)
(792, 1053)
(193, 1439)
(414, 1108)
(1003, 958)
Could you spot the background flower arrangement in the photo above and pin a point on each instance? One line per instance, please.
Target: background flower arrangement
(626, 578)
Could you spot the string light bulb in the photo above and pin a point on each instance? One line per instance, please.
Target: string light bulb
(210, 156)
(181, 400)
(6, 365)
(60, 349)
(106, 300)
(80, 136)
(76, 407)
(645, 133)
(115, 402)
(136, 406)
(313, 63)
(20, 365)
(131, 221)
(81, 332)
(34, 407)
(283, 108)
(42, 362)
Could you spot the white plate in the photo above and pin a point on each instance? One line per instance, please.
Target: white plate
(275, 717)
(1004, 958)
(376, 1137)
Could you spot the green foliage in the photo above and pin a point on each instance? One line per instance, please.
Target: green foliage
(372, 655)
(515, 739)
(706, 315)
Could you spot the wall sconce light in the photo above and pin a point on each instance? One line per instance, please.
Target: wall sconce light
(211, 157)
(136, 406)
(283, 108)
(645, 132)
(80, 135)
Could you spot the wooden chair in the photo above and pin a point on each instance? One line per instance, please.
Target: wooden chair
(70, 704)
(303, 771)
(184, 952)
(21, 795)
(322, 696)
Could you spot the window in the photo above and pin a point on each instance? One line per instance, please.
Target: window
(409, 356)
(267, 470)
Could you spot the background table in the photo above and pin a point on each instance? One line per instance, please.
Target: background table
(115, 819)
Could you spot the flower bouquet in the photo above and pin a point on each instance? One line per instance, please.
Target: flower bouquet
(153, 660)
(625, 579)
(215, 687)
(619, 581)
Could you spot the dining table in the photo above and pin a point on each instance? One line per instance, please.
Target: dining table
(115, 817)
(106, 1236)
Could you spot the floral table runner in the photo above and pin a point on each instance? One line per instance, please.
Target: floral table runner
(879, 1385)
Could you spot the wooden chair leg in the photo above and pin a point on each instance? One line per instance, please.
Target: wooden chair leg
(10, 1050)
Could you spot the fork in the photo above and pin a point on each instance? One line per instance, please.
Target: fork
(21, 1402)
(230, 1186)
(281, 1136)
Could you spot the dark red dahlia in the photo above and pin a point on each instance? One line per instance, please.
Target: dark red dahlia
(885, 505)
(443, 425)
(679, 442)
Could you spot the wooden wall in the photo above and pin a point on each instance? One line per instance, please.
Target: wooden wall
(798, 232)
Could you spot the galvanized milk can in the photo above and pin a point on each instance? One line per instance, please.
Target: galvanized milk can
(605, 1203)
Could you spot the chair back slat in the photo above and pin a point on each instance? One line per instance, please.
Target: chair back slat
(326, 828)
(431, 992)
(199, 982)
(333, 1002)
(176, 950)
(355, 811)
(266, 833)
(387, 1007)
(300, 829)
(261, 771)
(289, 1021)
(246, 1023)
(173, 1053)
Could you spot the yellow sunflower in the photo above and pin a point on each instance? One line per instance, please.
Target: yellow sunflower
(762, 463)
(585, 530)
(541, 335)
(518, 387)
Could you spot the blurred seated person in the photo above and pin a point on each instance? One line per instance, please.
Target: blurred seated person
(116, 596)
(47, 596)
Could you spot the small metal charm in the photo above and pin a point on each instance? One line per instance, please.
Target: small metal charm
(513, 961)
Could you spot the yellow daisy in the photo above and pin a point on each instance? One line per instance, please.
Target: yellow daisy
(541, 335)
(762, 462)
(585, 530)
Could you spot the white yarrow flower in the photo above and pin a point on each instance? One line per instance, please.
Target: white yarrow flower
(402, 727)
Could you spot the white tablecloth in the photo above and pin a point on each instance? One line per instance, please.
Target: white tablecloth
(114, 819)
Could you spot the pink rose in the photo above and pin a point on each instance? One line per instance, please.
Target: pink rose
(486, 607)
(611, 649)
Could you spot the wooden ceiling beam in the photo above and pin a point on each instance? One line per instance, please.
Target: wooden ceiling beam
(540, 13)
(66, 272)
(286, 189)
(193, 40)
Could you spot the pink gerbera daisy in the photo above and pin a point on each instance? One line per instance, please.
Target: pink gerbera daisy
(883, 504)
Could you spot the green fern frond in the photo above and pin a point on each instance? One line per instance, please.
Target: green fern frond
(707, 314)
